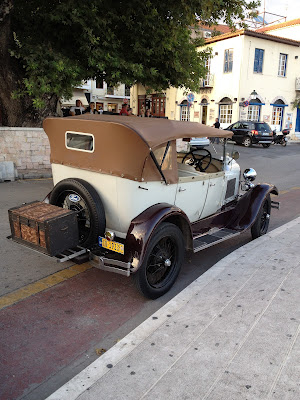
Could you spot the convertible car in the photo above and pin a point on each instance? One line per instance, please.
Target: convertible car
(142, 196)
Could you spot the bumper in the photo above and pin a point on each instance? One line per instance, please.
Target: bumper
(109, 264)
(262, 139)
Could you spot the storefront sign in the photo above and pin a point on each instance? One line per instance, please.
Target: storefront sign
(288, 121)
(196, 114)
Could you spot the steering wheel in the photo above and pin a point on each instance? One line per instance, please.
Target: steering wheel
(196, 160)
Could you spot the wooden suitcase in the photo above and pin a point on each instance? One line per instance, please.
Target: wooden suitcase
(44, 227)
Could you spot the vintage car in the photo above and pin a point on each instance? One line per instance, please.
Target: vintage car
(142, 198)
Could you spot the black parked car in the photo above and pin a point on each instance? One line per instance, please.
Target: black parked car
(248, 133)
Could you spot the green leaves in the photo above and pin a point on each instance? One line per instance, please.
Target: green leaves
(62, 43)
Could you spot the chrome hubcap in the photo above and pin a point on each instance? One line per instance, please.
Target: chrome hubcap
(167, 263)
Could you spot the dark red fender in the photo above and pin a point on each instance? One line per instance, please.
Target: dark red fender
(143, 226)
(248, 206)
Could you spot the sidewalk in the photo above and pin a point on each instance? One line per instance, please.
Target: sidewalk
(232, 334)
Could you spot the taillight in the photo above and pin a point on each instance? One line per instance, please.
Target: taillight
(254, 132)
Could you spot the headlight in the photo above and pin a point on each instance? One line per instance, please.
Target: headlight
(249, 174)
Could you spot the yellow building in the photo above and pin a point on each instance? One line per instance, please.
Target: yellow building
(251, 76)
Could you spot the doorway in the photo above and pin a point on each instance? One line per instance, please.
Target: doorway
(297, 126)
(204, 112)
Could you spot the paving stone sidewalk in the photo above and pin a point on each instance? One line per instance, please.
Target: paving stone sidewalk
(232, 334)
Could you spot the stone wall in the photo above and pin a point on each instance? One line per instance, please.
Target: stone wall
(27, 148)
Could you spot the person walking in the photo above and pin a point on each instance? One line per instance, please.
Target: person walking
(217, 126)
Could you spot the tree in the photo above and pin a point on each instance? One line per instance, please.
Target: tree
(48, 47)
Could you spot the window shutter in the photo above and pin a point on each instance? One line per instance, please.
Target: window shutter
(226, 61)
(260, 60)
(256, 57)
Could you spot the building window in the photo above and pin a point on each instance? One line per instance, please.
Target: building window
(225, 111)
(110, 90)
(228, 60)
(207, 77)
(258, 60)
(184, 111)
(127, 90)
(277, 116)
(253, 113)
(282, 64)
(254, 108)
(99, 84)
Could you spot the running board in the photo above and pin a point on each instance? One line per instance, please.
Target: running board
(275, 204)
(213, 237)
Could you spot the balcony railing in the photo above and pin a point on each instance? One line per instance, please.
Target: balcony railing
(208, 81)
(297, 87)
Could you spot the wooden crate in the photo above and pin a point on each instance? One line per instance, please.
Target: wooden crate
(44, 227)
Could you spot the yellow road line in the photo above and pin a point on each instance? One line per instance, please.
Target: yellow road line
(289, 190)
(42, 284)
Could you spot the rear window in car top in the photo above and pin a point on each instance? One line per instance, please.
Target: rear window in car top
(263, 128)
(80, 141)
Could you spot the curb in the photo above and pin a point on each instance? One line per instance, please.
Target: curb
(90, 375)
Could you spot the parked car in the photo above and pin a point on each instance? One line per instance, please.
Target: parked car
(248, 133)
(199, 142)
(139, 203)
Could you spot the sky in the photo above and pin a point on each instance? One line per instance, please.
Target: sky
(286, 8)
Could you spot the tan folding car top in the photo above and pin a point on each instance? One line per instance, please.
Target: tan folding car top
(123, 146)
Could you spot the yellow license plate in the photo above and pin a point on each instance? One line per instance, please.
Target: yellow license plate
(110, 245)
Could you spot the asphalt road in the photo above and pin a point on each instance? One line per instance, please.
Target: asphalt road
(50, 336)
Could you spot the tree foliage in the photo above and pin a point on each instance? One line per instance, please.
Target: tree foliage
(51, 46)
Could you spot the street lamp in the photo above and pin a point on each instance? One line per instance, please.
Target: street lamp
(253, 95)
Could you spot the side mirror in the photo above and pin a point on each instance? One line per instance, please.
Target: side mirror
(249, 174)
(235, 155)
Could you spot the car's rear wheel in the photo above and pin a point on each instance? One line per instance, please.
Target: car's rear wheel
(261, 224)
(79, 196)
(162, 262)
(266, 145)
(247, 142)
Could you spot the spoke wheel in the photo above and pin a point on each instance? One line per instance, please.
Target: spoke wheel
(81, 208)
(261, 225)
(162, 261)
(79, 196)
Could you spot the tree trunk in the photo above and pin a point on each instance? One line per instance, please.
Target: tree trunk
(20, 111)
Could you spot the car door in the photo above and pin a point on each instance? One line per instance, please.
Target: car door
(191, 194)
(215, 194)
(237, 135)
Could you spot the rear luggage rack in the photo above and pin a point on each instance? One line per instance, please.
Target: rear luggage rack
(77, 254)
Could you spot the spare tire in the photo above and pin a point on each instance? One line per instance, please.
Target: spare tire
(78, 195)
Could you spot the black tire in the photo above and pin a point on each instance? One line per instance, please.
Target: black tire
(283, 143)
(162, 262)
(91, 214)
(247, 142)
(261, 224)
(266, 145)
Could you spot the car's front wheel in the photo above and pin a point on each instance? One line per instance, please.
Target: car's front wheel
(162, 262)
(261, 224)
(247, 142)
